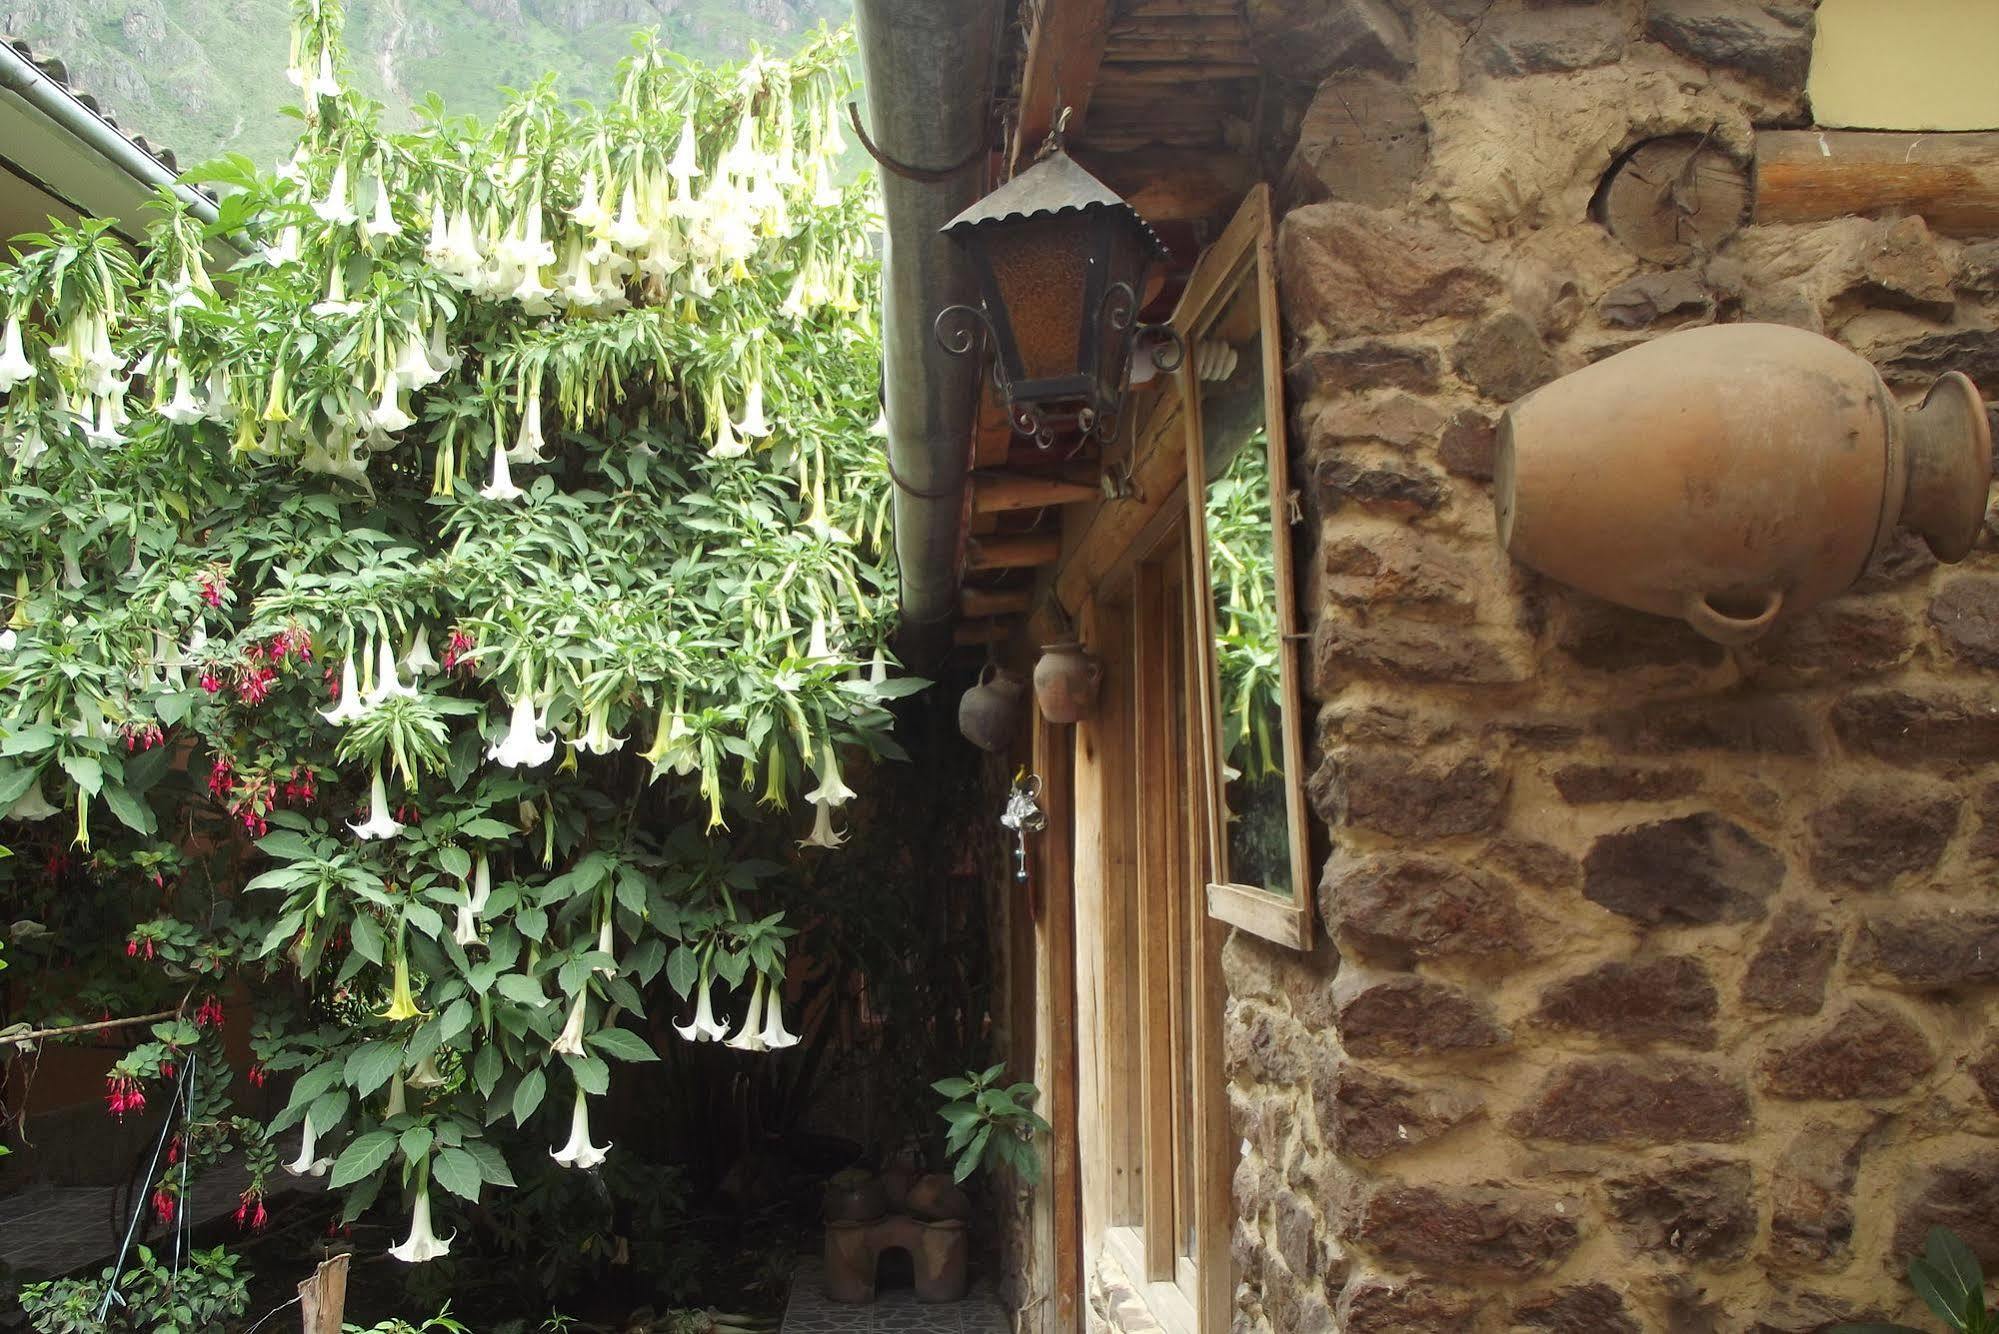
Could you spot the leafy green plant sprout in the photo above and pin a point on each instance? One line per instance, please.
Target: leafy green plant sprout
(991, 1124)
(1948, 1279)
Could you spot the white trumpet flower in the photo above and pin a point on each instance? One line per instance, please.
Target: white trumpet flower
(502, 486)
(523, 746)
(775, 1036)
(15, 368)
(388, 681)
(422, 1244)
(325, 86)
(349, 706)
(307, 1164)
(482, 884)
(626, 231)
(597, 738)
(382, 221)
(387, 414)
(184, 407)
(284, 251)
(437, 242)
(529, 443)
(416, 658)
(426, 1075)
(703, 1027)
(569, 1042)
(379, 824)
(413, 368)
(589, 211)
(466, 929)
(832, 791)
(579, 1152)
(818, 650)
(753, 426)
(686, 164)
(337, 205)
(31, 805)
(398, 1101)
(750, 1036)
(823, 835)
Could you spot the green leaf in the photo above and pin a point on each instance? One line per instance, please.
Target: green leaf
(953, 1088)
(368, 939)
(288, 846)
(521, 989)
(486, 1068)
(683, 970)
(1938, 1292)
(623, 1044)
(492, 1163)
(415, 1143)
(1951, 1258)
(133, 813)
(454, 861)
(533, 1087)
(369, 1067)
(86, 773)
(364, 1157)
(591, 1074)
(458, 1172)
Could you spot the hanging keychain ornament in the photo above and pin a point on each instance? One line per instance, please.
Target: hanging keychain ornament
(1024, 816)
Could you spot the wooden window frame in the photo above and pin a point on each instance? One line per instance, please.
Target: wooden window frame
(1246, 257)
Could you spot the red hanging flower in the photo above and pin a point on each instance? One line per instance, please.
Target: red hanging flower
(213, 584)
(122, 1094)
(209, 1015)
(163, 1206)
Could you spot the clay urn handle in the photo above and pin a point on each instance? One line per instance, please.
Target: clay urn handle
(1731, 630)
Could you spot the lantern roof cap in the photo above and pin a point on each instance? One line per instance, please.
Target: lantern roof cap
(1056, 184)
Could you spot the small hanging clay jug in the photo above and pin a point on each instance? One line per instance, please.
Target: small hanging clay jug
(1066, 681)
(1729, 473)
(989, 712)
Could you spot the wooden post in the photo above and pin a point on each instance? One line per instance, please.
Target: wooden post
(1951, 180)
(322, 1299)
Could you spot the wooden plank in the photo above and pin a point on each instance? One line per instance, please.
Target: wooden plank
(1182, 72)
(1096, 754)
(972, 634)
(1132, 11)
(1063, 52)
(1155, 875)
(1118, 777)
(1216, 46)
(1059, 1199)
(322, 1299)
(1014, 551)
(1000, 492)
(1951, 180)
(977, 603)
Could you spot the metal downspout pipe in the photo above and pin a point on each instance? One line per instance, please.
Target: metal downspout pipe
(18, 75)
(928, 67)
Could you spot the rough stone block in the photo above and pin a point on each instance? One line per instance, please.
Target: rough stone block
(1548, 41)
(1697, 869)
(1355, 364)
(1373, 1305)
(1700, 1207)
(1770, 42)
(1750, 725)
(1582, 1308)
(1474, 1231)
(1838, 641)
(1620, 1101)
(1671, 999)
(1878, 830)
(1666, 300)
(1531, 862)
(1922, 727)
(1985, 1074)
(1811, 1198)
(1605, 637)
(1393, 418)
(1365, 1114)
(1406, 1015)
(1978, 269)
(1386, 488)
(1915, 358)
(1931, 949)
(1504, 357)
(1405, 650)
(1349, 269)
(1396, 908)
(1898, 266)
(1309, 39)
(1966, 617)
(1594, 784)
(1403, 568)
(1409, 794)
(1264, 1045)
(1961, 1194)
(1468, 444)
(1904, 557)
(1363, 139)
(1788, 972)
(1867, 1050)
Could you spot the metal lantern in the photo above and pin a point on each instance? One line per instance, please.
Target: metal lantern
(1061, 262)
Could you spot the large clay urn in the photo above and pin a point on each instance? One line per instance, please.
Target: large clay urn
(1733, 473)
(989, 712)
(1066, 681)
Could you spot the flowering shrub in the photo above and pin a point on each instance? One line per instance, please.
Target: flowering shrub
(415, 604)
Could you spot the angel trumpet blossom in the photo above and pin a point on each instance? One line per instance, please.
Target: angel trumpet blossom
(466, 929)
(597, 738)
(426, 1075)
(750, 1036)
(349, 706)
(416, 658)
(387, 414)
(704, 1027)
(523, 745)
(15, 368)
(379, 823)
(832, 791)
(382, 221)
(388, 681)
(823, 835)
(502, 486)
(402, 1004)
(775, 1036)
(31, 805)
(308, 1164)
(579, 1152)
(422, 1244)
(753, 426)
(335, 206)
(482, 884)
(528, 445)
(569, 1042)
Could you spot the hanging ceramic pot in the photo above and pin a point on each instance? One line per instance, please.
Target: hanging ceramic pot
(1066, 681)
(1732, 473)
(989, 713)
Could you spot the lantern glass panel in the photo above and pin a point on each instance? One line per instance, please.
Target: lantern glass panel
(1126, 264)
(1040, 268)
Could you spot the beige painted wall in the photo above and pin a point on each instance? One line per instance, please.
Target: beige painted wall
(1906, 64)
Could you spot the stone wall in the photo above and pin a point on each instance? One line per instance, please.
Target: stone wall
(1661, 976)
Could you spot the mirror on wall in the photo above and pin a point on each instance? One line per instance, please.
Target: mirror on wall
(1239, 500)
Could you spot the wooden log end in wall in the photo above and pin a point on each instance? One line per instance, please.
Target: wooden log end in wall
(1672, 197)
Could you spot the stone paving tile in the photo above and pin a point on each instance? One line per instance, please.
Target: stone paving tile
(894, 1311)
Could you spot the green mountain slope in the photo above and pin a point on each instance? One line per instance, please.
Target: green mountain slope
(207, 76)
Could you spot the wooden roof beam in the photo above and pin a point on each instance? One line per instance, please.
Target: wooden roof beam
(980, 603)
(998, 492)
(1064, 52)
(1013, 552)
